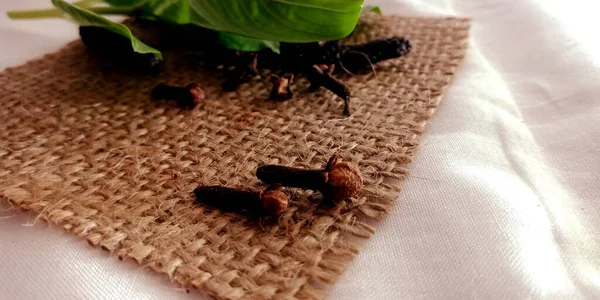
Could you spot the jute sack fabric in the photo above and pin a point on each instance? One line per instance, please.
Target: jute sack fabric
(82, 145)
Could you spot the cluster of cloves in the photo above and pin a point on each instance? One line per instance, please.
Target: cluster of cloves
(336, 182)
(317, 60)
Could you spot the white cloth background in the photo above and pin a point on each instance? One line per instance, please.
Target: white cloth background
(502, 201)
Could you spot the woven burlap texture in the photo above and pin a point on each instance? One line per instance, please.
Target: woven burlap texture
(85, 147)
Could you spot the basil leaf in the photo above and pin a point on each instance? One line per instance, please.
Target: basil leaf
(373, 9)
(126, 2)
(273, 20)
(242, 43)
(87, 18)
(279, 20)
(175, 11)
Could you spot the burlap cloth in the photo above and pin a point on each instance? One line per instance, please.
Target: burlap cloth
(86, 148)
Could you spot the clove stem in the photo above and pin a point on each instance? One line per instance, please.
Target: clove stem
(321, 76)
(269, 202)
(292, 177)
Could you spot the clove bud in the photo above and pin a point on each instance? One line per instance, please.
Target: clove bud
(270, 202)
(187, 97)
(355, 58)
(337, 181)
(281, 87)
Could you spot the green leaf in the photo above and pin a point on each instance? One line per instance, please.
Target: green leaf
(87, 18)
(126, 2)
(271, 20)
(373, 9)
(175, 11)
(242, 43)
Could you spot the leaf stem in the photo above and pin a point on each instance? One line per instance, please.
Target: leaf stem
(55, 13)
(35, 14)
(85, 3)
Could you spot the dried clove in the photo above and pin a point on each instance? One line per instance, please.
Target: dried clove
(299, 57)
(322, 76)
(281, 87)
(336, 182)
(117, 48)
(186, 97)
(351, 58)
(355, 58)
(270, 202)
(245, 68)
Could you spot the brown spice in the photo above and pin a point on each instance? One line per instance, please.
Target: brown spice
(186, 97)
(270, 202)
(281, 87)
(337, 181)
(245, 67)
(322, 76)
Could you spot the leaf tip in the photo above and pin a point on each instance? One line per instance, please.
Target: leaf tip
(372, 9)
(377, 10)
